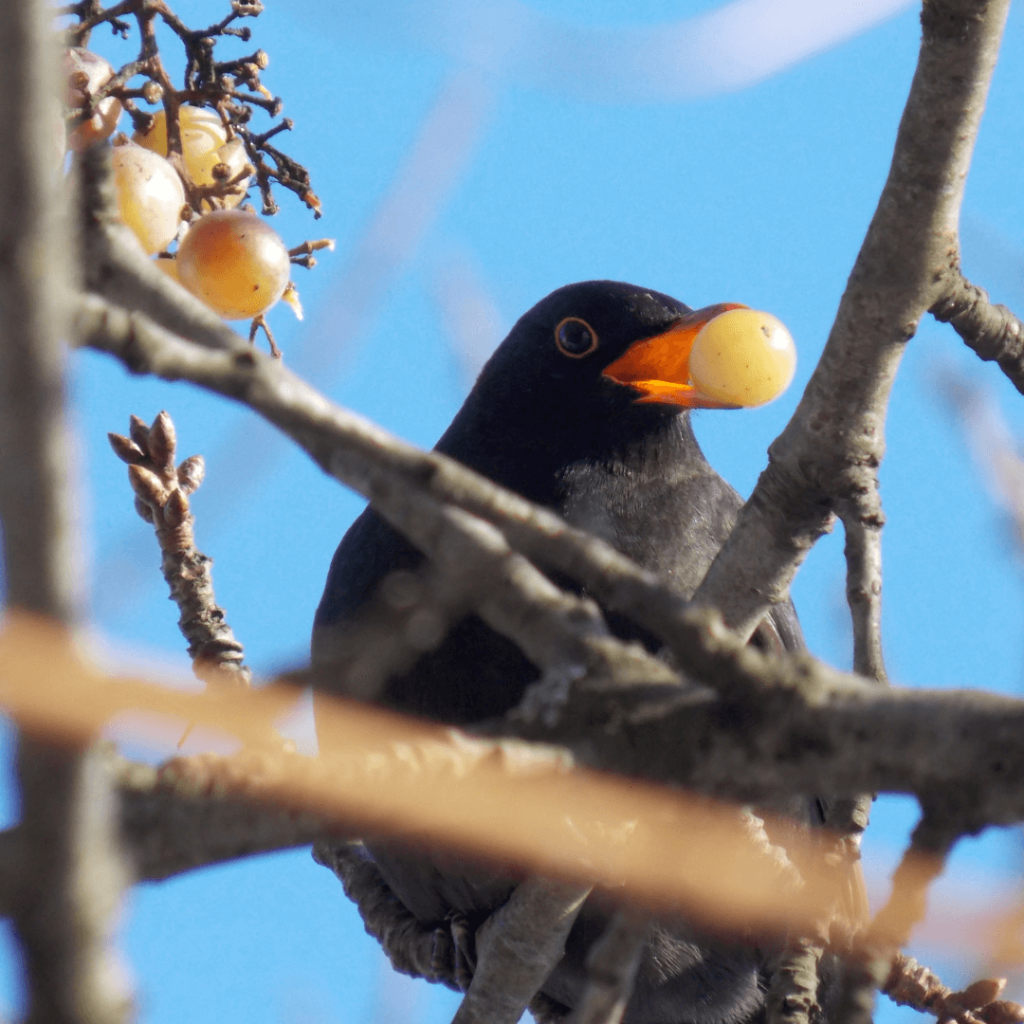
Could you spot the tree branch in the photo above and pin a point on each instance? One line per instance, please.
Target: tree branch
(69, 872)
(162, 492)
(991, 330)
(871, 964)
(393, 474)
(827, 456)
(517, 948)
(408, 485)
(385, 775)
(612, 964)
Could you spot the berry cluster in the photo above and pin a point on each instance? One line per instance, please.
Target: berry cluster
(182, 176)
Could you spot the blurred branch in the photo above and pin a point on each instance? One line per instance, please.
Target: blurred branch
(794, 986)
(911, 984)
(195, 811)
(870, 965)
(69, 872)
(827, 457)
(793, 993)
(408, 615)
(993, 447)
(384, 775)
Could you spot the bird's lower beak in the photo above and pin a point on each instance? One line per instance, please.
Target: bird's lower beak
(659, 367)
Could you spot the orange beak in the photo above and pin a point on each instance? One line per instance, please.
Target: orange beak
(659, 367)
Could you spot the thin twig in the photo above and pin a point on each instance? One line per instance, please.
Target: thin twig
(868, 969)
(991, 330)
(912, 984)
(864, 585)
(162, 492)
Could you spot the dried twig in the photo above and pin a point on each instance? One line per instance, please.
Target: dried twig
(207, 82)
(162, 498)
(911, 984)
(990, 329)
(870, 965)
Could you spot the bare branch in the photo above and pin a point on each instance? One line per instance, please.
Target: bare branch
(829, 452)
(517, 947)
(871, 964)
(407, 484)
(793, 994)
(195, 811)
(611, 969)
(991, 330)
(911, 984)
(864, 586)
(69, 872)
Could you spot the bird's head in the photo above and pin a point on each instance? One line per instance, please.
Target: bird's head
(620, 345)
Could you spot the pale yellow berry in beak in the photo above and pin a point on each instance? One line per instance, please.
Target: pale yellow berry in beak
(743, 357)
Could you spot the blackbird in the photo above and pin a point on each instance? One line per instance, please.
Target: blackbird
(584, 408)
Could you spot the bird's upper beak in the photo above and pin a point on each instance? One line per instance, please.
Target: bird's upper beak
(659, 367)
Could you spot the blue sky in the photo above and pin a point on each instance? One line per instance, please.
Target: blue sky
(470, 160)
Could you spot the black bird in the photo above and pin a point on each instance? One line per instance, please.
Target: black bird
(583, 409)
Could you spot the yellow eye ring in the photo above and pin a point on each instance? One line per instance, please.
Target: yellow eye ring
(575, 338)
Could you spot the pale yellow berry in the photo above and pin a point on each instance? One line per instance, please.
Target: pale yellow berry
(204, 145)
(85, 73)
(235, 262)
(743, 357)
(150, 196)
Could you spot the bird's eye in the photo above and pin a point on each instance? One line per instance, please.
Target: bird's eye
(575, 338)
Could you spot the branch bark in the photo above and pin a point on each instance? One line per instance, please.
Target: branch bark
(517, 948)
(990, 329)
(69, 873)
(827, 457)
